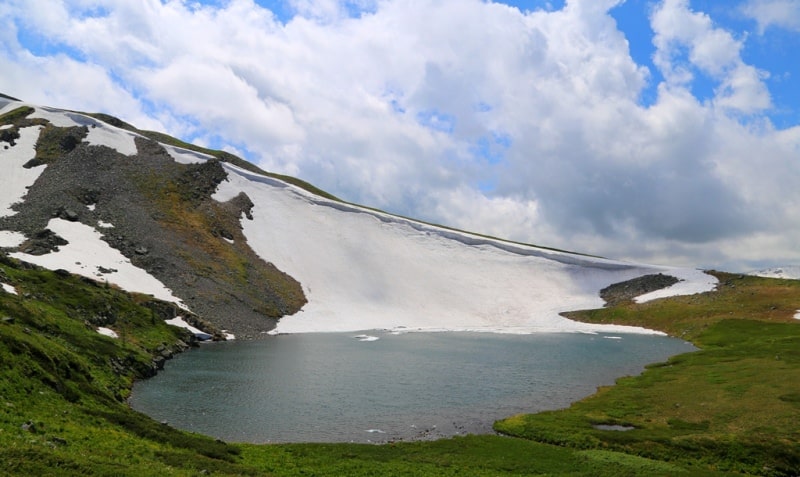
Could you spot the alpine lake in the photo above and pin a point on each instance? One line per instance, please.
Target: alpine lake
(381, 386)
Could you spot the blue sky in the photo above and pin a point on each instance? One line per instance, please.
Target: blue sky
(665, 131)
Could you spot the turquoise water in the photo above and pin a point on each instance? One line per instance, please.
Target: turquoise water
(337, 387)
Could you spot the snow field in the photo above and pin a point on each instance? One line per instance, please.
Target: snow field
(360, 269)
(11, 239)
(17, 179)
(363, 270)
(86, 253)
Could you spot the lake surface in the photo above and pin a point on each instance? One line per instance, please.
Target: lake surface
(342, 387)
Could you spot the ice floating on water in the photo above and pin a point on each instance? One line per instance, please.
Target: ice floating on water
(613, 337)
(375, 431)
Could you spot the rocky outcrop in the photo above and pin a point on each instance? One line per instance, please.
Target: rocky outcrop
(164, 221)
(628, 290)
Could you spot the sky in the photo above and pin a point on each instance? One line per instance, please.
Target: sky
(662, 131)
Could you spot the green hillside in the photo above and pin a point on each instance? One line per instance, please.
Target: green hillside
(732, 407)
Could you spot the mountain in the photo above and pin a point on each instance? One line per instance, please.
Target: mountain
(791, 272)
(238, 249)
(136, 231)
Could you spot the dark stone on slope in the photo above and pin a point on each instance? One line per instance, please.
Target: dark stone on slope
(68, 214)
(164, 209)
(628, 290)
(43, 242)
(9, 135)
(243, 205)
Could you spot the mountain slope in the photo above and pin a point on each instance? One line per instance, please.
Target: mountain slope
(241, 248)
(154, 212)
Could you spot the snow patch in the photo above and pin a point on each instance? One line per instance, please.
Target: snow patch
(180, 323)
(791, 272)
(86, 253)
(105, 225)
(102, 134)
(17, 179)
(107, 332)
(691, 282)
(8, 288)
(366, 270)
(6, 126)
(186, 156)
(56, 117)
(91, 207)
(10, 239)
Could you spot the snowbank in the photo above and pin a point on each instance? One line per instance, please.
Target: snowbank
(791, 272)
(16, 178)
(100, 133)
(364, 270)
(11, 239)
(691, 281)
(107, 332)
(87, 255)
(8, 288)
(180, 323)
(185, 156)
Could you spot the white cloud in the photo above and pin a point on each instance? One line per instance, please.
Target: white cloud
(519, 124)
(711, 50)
(774, 13)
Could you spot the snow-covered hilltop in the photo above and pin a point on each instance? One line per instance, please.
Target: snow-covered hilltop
(359, 269)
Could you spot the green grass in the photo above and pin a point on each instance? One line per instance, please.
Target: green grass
(62, 408)
(16, 115)
(63, 385)
(732, 406)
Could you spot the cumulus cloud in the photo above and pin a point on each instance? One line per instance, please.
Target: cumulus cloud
(774, 13)
(522, 124)
(712, 51)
